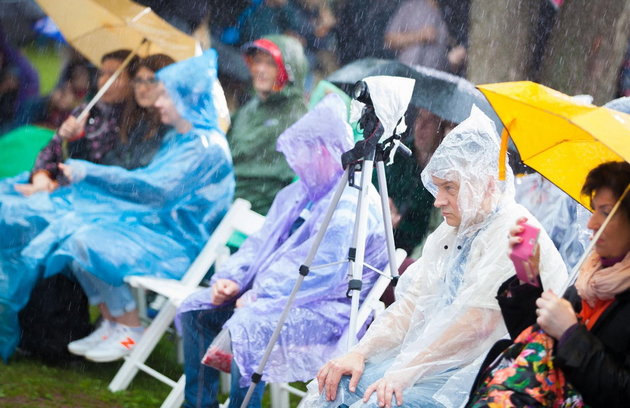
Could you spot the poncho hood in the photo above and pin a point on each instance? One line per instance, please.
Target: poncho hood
(194, 88)
(313, 145)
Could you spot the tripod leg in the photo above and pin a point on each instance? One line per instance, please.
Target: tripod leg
(304, 269)
(387, 218)
(357, 249)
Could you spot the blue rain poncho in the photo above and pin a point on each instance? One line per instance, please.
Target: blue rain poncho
(116, 222)
(266, 266)
(433, 338)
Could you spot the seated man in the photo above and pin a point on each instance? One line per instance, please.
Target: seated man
(250, 290)
(425, 349)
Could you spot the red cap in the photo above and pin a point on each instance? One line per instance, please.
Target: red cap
(271, 48)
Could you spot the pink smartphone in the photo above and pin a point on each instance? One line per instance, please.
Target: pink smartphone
(523, 251)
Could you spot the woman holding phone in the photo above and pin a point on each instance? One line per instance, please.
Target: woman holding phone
(590, 323)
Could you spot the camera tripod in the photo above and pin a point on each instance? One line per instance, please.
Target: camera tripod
(362, 157)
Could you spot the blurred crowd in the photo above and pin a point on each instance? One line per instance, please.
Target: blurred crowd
(136, 185)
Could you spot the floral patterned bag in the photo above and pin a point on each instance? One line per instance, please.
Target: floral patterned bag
(525, 375)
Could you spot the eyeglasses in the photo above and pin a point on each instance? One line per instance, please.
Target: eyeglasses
(144, 81)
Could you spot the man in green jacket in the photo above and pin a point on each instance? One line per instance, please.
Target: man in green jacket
(278, 66)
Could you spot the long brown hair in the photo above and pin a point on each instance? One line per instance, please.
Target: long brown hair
(134, 113)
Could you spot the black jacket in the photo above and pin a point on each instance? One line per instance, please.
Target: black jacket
(595, 362)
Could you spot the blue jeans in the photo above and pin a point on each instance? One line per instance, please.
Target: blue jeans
(118, 299)
(199, 328)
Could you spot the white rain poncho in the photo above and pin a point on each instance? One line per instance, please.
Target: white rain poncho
(432, 340)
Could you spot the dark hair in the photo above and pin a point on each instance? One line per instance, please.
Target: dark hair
(612, 175)
(134, 113)
(121, 55)
(155, 62)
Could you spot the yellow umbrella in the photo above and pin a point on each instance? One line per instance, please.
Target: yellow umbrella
(97, 27)
(558, 137)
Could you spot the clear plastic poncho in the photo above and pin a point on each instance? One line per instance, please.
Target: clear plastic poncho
(266, 265)
(116, 222)
(433, 338)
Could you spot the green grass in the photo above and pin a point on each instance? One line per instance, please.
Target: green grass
(47, 62)
(27, 382)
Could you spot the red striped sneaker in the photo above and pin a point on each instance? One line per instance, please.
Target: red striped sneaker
(102, 332)
(117, 345)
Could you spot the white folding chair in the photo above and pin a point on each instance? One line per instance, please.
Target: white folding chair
(239, 218)
(280, 391)
(371, 305)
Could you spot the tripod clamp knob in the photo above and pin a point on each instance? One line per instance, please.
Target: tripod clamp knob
(354, 284)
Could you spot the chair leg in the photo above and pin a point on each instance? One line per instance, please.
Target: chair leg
(143, 349)
(141, 297)
(225, 379)
(175, 398)
(279, 396)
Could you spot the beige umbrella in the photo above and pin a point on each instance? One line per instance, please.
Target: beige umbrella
(98, 27)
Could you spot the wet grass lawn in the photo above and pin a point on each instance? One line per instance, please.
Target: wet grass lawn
(27, 382)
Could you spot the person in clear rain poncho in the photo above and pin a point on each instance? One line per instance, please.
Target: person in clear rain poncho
(424, 350)
(148, 221)
(250, 290)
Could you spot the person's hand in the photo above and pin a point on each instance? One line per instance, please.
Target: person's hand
(224, 290)
(426, 35)
(330, 374)
(393, 210)
(555, 314)
(66, 170)
(40, 181)
(514, 238)
(456, 57)
(385, 388)
(71, 128)
(245, 299)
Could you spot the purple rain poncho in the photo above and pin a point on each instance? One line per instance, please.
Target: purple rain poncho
(266, 265)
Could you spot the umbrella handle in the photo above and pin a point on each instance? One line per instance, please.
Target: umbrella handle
(101, 92)
(574, 272)
(109, 82)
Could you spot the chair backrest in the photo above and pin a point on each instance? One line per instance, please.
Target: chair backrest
(239, 218)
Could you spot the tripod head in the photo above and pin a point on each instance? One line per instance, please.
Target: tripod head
(370, 148)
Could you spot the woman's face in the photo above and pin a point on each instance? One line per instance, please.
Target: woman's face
(166, 107)
(145, 87)
(119, 91)
(615, 239)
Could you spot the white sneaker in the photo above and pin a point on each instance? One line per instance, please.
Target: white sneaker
(81, 346)
(116, 346)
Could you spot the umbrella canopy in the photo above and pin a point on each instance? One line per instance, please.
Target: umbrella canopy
(446, 95)
(558, 137)
(97, 27)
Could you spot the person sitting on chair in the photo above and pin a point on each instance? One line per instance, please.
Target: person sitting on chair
(249, 291)
(160, 214)
(425, 348)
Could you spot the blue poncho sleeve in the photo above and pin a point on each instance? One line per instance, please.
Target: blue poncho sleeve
(203, 156)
